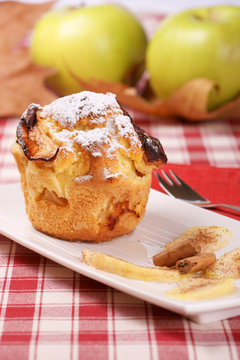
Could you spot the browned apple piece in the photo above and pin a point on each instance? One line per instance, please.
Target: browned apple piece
(153, 150)
(35, 144)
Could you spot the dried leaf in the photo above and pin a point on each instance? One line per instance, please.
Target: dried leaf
(189, 101)
(22, 82)
(16, 19)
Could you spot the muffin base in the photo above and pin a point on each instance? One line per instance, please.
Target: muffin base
(91, 211)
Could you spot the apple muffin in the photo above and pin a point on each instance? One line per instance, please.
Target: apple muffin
(85, 168)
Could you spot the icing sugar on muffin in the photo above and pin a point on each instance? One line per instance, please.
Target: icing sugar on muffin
(85, 168)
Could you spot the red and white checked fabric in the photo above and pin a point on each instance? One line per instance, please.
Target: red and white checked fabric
(50, 312)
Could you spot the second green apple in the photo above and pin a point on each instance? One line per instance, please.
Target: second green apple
(105, 42)
(198, 43)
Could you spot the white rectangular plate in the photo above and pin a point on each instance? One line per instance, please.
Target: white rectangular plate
(165, 219)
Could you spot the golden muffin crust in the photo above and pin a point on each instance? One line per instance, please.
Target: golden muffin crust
(85, 167)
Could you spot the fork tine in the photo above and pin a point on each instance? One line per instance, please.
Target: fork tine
(163, 183)
(194, 195)
(170, 182)
(177, 177)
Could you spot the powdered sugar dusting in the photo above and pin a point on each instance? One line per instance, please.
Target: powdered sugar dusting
(111, 175)
(125, 128)
(83, 178)
(117, 126)
(70, 109)
(97, 137)
(98, 140)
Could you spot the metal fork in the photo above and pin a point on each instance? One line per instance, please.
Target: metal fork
(176, 187)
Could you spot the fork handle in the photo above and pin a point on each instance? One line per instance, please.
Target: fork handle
(233, 207)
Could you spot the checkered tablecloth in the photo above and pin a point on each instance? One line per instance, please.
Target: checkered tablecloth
(50, 312)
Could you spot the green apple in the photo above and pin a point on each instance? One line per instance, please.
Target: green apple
(195, 44)
(105, 42)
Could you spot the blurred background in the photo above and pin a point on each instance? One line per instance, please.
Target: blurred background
(170, 6)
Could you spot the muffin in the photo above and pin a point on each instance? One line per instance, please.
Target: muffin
(85, 168)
